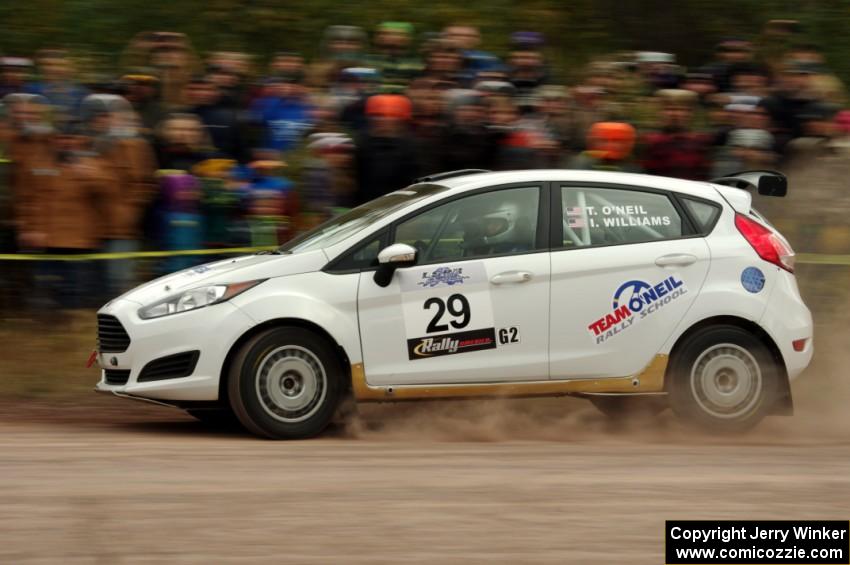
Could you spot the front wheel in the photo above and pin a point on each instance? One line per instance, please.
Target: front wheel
(723, 378)
(285, 383)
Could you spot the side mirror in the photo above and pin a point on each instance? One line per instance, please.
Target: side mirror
(393, 257)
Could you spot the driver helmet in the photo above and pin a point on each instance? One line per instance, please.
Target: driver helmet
(495, 227)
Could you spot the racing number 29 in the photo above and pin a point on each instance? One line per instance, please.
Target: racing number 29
(458, 307)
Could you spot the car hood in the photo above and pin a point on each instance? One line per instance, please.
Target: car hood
(238, 269)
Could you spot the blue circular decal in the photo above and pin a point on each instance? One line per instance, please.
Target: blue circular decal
(632, 298)
(753, 279)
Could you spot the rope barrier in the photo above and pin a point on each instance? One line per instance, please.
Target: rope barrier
(132, 254)
(822, 259)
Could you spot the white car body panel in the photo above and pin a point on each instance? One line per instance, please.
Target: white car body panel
(567, 290)
(392, 315)
(785, 322)
(718, 296)
(740, 200)
(328, 301)
(583, 284)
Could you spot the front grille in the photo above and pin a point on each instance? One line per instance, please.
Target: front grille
(111, 336)
(170, 367)
(116, 376)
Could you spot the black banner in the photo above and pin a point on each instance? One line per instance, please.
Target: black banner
(818, 542)
(449, 344)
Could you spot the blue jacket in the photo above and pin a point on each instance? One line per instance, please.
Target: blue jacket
(285, 121)
(66, 97)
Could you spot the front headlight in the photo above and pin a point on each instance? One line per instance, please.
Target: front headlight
(195, 298)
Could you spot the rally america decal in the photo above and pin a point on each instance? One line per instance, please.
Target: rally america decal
(449, 344)
(442, 276)
(635, 300)
(455, 276)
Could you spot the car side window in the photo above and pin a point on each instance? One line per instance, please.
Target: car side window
(363, 256)
(608, 216)
(704, 214)
(499, 222)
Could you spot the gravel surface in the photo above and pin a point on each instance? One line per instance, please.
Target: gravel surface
(103, 480)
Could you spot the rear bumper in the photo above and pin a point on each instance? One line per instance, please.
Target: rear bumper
(787, 319)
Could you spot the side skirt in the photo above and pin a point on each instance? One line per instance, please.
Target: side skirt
(649, 380)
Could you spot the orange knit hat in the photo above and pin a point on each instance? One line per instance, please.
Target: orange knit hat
(389, 106)
(611, 141)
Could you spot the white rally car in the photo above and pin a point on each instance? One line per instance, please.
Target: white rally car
(618, 287)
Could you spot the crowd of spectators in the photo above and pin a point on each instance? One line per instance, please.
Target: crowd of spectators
(180, 152)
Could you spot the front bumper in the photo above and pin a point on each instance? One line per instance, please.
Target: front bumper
(211, 330)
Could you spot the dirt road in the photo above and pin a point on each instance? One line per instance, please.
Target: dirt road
(117, 482)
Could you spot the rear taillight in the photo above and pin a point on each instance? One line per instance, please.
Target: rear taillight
(766, 243)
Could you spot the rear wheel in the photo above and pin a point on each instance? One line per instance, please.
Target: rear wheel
(285, 383)
(723, 378)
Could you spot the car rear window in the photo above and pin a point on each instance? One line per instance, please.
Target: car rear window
(703, 213)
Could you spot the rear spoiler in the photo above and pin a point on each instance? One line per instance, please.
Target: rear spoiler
(767, 183)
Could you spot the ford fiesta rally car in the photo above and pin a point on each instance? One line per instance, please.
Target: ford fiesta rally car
(618, 287)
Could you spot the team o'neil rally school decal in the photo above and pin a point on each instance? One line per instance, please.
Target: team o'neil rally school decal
(447, 310)
(635, 300)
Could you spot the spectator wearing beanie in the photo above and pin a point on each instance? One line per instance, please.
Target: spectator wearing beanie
(65, 215)
(609, 148)
(386, 155)
(110, 122)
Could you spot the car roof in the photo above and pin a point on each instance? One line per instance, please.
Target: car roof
(462, 183)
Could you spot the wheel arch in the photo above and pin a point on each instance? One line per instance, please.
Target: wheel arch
(784, 404)
(270, 324)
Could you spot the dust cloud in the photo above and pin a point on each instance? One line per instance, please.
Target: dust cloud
(821, 397)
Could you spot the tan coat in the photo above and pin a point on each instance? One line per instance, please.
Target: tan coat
(132, 164)
(63, 202)
(29, 168)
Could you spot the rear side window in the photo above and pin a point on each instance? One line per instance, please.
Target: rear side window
(608, 216)
(703, 213)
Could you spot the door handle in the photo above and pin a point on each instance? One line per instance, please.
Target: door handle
(676, 260)
(511, 277)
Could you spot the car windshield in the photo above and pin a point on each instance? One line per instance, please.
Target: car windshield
(348, 224)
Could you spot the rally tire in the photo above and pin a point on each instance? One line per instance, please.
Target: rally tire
(621, 408)
(724, 379)
(285, 383)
